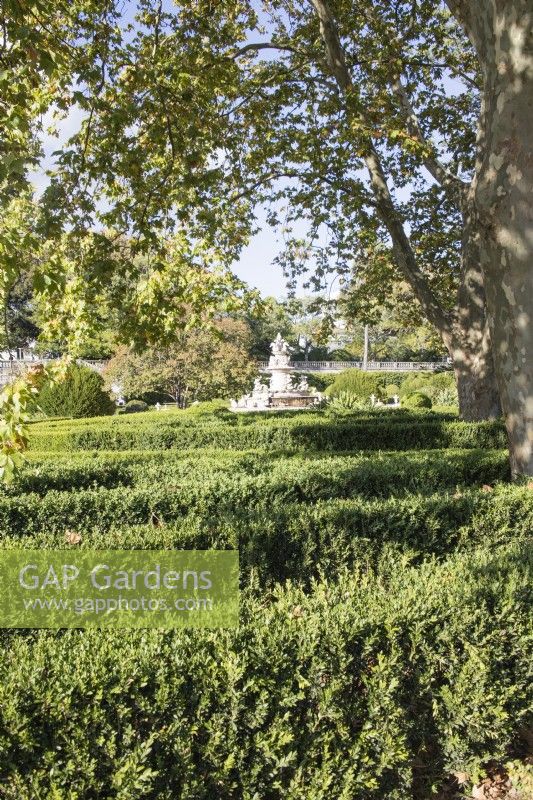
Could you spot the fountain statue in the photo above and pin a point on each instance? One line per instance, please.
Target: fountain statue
(282, 392)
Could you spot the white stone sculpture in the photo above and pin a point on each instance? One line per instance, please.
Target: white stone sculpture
(281, 392)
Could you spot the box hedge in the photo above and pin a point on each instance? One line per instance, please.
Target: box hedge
(304, 476)
(369, 688)
(323, 434)
(278, 539)
(384, 641)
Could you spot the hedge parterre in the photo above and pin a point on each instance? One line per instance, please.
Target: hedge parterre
(385, 633)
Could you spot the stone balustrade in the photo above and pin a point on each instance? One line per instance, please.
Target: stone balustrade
(372, 366)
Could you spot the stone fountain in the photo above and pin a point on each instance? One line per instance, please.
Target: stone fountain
(283, 392)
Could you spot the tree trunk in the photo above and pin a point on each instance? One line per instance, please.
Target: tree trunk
(479, 398)
(470, 342)
(502, 33)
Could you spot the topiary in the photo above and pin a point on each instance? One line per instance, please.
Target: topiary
(134, 406)
(79, 394)
(392, 390)
(417, 400)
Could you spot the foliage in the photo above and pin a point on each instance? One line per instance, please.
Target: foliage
(447, 396)
(272, 318)
(417, 400)
(79, 394)
(208, 408)
(430, 383)
(303, 651)
(386, 384)
(400, 564)
(14, 401)
(400, 430)
(199, 365)
(183, 204)
(320, 380)
(393, 334)
(17, 402)
(20, 328)
(357, 382)
(344, 400)
(134, 406)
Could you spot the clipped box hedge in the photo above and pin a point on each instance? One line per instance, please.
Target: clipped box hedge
(372, 688)
(277, 539)
(299, 476)
(384, 639)
(326, 435)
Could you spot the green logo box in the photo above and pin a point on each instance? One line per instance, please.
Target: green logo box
(119, 588)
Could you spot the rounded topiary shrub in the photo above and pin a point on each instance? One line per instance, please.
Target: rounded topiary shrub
(392, 390)
(134, 406)
(79, 394)
(417, 400)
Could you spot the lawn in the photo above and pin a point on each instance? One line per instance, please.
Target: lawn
(384, 643)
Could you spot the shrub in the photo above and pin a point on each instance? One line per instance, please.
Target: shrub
(346, 401)
(216, 408)
(330, 694)
(320, 380)
(130, 495)
(151, 398)
(384, 637)
(80, 394)
(358, 383)
(392, 390)
(447, 397)
(430, 383)
(134, 406)
(417, 400)
(336, 434)
(300, 477)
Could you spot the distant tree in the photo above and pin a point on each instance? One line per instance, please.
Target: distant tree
(198, 365)
(273, 319)
(310, 328)
(393, 338)
(20, 328)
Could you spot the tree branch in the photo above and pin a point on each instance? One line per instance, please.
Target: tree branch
(403, 251)
(256, 46)
(294, 174)
(470, 15)
(433, 165)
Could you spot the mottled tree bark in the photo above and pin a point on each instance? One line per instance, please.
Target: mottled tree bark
(470, 345)
(502, 33)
